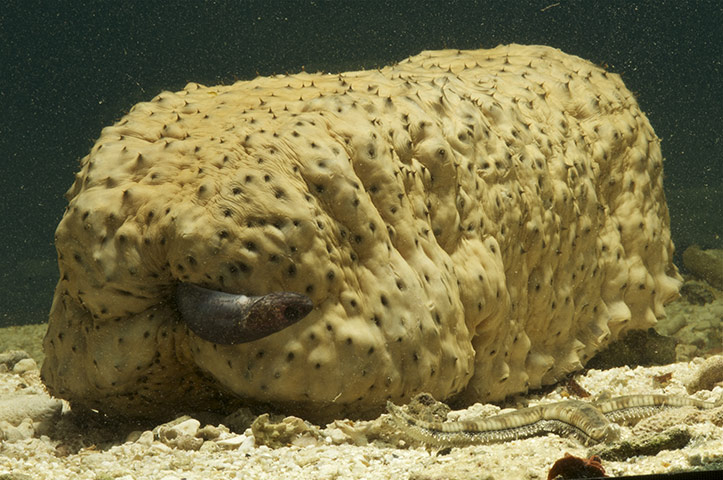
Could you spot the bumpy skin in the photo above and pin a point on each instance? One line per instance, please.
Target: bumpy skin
(466, 223)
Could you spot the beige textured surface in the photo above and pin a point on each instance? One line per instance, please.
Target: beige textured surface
(474, 223)
(190, 449)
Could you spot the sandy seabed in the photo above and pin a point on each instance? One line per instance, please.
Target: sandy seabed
(189, 449)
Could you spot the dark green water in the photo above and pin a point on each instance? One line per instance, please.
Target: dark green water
(69, 68)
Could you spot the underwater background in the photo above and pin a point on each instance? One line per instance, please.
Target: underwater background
(67, 69)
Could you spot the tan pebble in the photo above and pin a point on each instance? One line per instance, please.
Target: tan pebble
(237, 441)
(25, 365)
(11, 357)
(134, 436)
(186, 442)
(187, 427)
(40, 408)
(210, 432)
(159, 448)
(145, 438)
(336, 436)
(13, 433)
(708, 375)
(209, 447)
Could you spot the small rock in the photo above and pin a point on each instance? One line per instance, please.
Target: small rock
(708, 376)
(11, 357)
(188, 427)
(186, 442)
(671, 439)
(705, 264)
(25, 365)
(696, 293)
(280, 434)
(336, 436)
(239, 420)
(180, 433)
(237, 441)
(209, 447)
(146, 438)
(42, 410)
(636, 348)
(183, 425)
(134, 436)
(210, 432)
(13, 433)
(159, 449)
